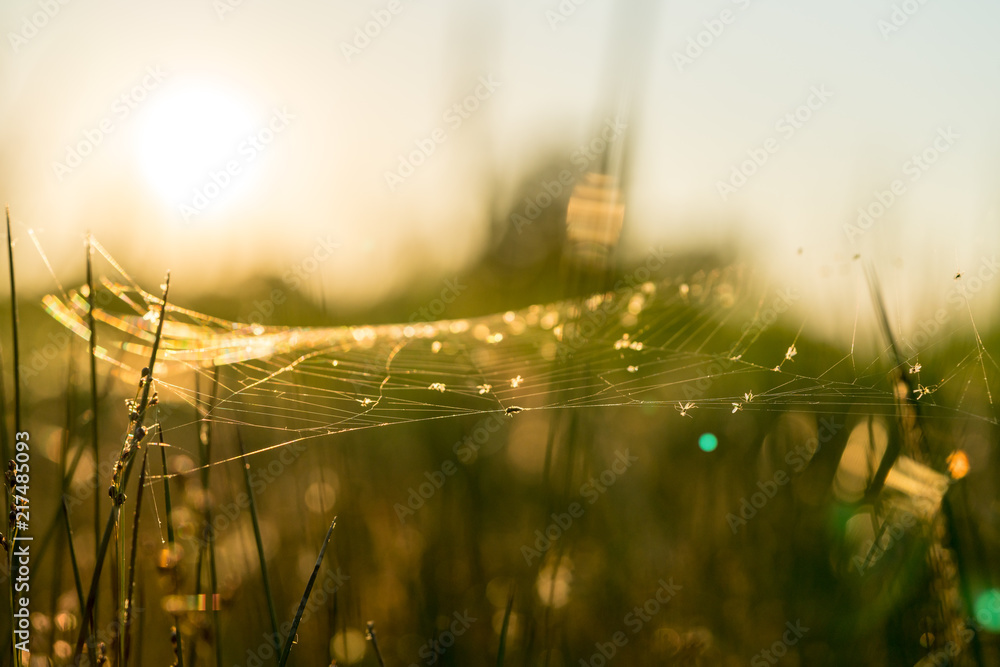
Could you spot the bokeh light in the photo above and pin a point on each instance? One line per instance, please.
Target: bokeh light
(707, 442)
(987, 609)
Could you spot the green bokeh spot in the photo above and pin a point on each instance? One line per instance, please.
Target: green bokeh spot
(987, 609)
(708, 442)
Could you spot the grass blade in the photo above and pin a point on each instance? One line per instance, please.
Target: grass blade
(94, 439)
(72, 555)
(64, 440)
(166, 487)
(130, 586)
(87, 620)
(374, 640)
(305, 597)
(213, 581)
(260, 545)
(76, 570)
(119, 483)
(503, 629)
(171, 551)
(14, 328)
(216, 617)
(207, 545)
(15, 655)
(5, 451)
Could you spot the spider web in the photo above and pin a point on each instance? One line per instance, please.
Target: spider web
(711, 341)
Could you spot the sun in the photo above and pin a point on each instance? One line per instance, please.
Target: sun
(189, 133)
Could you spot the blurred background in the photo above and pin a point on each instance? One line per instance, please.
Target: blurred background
(121, 118)
(393, 161)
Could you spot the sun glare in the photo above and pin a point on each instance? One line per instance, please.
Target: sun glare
(189, 135)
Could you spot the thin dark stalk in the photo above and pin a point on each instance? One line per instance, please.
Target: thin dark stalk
(216, 617)
(260, 545)
(5, 452)
(166, 488)
(179, 648)
(503, 630)
(57, 566)
(305, 597)
(76, 572)
(213, 582)
(14, 327)
(131, 565)
(15, 654)
(72, 556)
(193, 649)
(119, 484)
(201, 411)
(53, 528)
(204, 407)
(374, 640)
(117, 588)
(94, 439)
(141, 632)
(88, 608)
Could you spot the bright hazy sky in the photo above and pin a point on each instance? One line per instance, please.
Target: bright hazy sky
(162, 96)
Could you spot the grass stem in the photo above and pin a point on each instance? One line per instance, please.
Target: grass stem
(130, 586)
(124, 470)
(260, 545)
(305, 597)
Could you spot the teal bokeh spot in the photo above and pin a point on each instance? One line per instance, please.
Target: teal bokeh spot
(987, 609)
(708, 442)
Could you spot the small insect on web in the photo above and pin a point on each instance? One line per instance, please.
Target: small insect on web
(683, 408)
